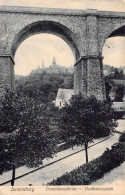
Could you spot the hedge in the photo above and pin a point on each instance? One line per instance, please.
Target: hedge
(122, 137)
(87, 173)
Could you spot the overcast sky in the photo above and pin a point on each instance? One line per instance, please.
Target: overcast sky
(40, 48)
(113, 5)
(35, 49)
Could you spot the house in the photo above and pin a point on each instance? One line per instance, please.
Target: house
(63, 96)
(119, 108)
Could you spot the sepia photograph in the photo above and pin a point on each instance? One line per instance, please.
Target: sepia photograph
(62, 97)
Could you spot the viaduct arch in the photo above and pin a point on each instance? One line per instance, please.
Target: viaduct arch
(85, 31)
(46, 27)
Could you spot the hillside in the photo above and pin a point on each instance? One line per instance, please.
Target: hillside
(43, 87)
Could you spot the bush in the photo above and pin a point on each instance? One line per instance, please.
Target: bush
(122, 137)
(87, 173)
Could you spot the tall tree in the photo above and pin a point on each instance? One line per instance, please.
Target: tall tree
(120, 92)
(84, 119)
(26, 137)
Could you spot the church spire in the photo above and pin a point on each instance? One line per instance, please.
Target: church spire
(42, 64)
(54, 62)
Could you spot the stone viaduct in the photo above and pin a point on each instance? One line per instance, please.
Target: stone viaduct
(85, 31)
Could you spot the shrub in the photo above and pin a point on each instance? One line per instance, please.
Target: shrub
(122, 137)
(95, 169)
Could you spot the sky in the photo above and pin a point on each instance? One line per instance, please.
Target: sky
(34, 50)
(114, 52)
(112, 5)
(42, 48)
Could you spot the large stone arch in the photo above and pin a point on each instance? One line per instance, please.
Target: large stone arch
(46, 27)
(118, 30)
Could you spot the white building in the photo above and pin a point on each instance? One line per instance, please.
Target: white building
(63, 96)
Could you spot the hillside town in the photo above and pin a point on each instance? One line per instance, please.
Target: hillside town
(53, 69)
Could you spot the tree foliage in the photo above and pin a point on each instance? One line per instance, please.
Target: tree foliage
(25, 137)
(120, 92)
(85, 119)
(113, 83)
(43, 87)
(115, 73)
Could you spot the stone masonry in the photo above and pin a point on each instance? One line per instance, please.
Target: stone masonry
(85, 31)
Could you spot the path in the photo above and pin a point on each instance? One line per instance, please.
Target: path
(47, 174)
(121, 126)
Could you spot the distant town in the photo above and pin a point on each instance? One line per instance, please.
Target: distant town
(55, 68)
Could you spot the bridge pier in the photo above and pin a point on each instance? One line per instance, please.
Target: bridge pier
(88, 77)
(89, 69)
(95, 78)
(6, 73)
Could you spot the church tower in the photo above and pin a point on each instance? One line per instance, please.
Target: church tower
(54, 62)
(42, 64)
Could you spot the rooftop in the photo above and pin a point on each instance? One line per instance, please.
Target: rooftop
(65, 94)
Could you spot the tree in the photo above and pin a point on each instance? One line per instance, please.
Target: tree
(108, 88)
(83, 119)
(51, 96)
(122, 75)
(116, 74)
(120, 92)
(43, 87)
(25, 136)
